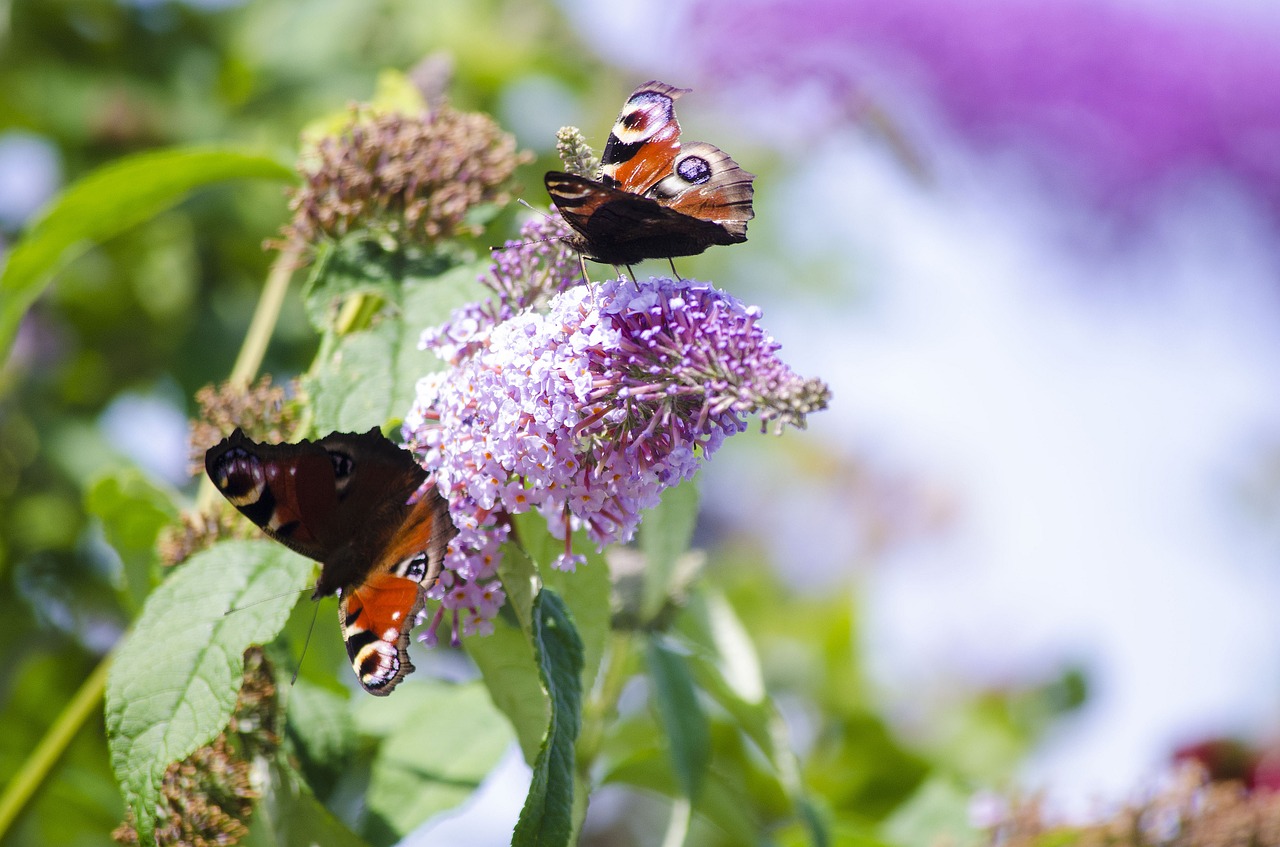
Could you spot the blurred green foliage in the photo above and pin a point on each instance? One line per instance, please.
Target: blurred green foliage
(160, 309)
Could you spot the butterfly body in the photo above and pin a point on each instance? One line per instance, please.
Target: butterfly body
(653, 198)
(347, 501)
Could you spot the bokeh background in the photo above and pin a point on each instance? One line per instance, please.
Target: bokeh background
(1032, 245)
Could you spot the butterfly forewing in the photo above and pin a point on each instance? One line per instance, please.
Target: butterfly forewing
(287, 490)
(644, 140)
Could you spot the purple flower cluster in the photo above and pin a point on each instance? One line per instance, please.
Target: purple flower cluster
(586, 411)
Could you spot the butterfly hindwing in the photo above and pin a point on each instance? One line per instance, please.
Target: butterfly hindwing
(705, 183)
(348, 501)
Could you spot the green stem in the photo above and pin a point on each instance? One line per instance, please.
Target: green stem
(265, 317)
(254, 348)
(32, 775)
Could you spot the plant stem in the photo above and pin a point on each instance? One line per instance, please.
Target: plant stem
(33, 773)
(265, 317)
(603, 703)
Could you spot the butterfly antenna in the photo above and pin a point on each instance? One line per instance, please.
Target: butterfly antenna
(536, 210)
(305, 644)
(264, 600)
(531, 208)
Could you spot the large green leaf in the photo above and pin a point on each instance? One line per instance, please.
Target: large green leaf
(174, 681)
(506, 657)
(108, 201)
(446, 740)
(547, 819)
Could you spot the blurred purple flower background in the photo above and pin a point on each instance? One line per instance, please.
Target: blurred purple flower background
(1124, 97)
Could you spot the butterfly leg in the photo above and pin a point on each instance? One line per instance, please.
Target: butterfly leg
(672, 263)
(582, 262)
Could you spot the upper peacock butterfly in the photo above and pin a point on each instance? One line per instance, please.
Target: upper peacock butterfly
(348, 502)
(653, 199)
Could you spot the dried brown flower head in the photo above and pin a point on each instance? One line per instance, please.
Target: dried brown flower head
(412, 178)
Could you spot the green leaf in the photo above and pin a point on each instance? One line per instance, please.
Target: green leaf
(446, 741)
(547, 818)
(585, 591)
(684, 723)
(724, 664)
(133, 510)
(174, 681)
(722, 805)
(322, 730)
(358, 264)
(372, 373)
(108, 201)
(531, 534)
(665, 533)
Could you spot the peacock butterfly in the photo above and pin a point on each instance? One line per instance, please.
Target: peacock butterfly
(653, 199)
(348, 502)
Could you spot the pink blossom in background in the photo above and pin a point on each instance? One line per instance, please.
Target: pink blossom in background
(1126, 98)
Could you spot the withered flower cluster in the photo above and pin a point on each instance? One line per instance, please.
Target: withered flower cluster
(1190, 812)
(410, 177)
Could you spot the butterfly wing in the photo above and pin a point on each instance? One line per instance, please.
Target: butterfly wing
(619, 228)
(644, 141)
(345, 501)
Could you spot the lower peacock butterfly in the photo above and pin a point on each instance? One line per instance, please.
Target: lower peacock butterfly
(348, 501)
(651, 198)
